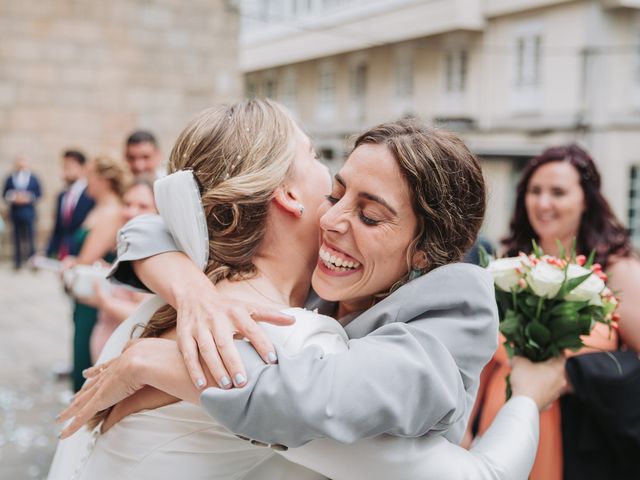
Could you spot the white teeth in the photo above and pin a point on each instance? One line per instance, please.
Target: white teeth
(337, 263)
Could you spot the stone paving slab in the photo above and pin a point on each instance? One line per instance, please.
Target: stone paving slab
(35, 338)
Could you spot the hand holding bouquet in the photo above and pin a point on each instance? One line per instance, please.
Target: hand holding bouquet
(546, 303)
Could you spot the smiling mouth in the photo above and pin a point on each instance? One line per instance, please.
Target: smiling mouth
(336, 262)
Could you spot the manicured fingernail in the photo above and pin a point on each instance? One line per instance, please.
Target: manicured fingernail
(240, 379)
(273, 358)
(84, 372)
(200, 382)
(225, 382)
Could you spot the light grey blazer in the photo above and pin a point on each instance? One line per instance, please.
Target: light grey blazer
(412, 368)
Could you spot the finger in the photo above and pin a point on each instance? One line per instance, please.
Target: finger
(80, 419)
(189, 349)
(223, 338)
(272, 316)
(94, 371)
(259, 339)
(209, 352)
(78, 402)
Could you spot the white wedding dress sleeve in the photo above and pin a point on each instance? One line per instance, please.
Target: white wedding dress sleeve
(505, 452)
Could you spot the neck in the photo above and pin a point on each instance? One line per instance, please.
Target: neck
(106, 197)
(283, 275)
(550, 245)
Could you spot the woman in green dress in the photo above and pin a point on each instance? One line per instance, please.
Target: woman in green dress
(96, 241)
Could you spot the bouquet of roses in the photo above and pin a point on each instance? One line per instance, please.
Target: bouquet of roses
(546, 303)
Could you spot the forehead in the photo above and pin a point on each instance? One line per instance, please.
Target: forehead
(140, 148)
(373, 169)
(556, 173)
(139, 192)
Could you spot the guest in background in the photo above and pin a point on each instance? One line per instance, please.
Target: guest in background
(473, 254)
(559, 199)
(72, 207)
(21, 192)
(95, 240)
(143, 154)
(116, 304)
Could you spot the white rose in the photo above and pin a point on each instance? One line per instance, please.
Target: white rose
(589, 290)
(504, 272)
(545, 279)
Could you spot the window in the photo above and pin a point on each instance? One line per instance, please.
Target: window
(404, 74)
(526, 71)
(251, 89)
(358, 89)
(456, 71)
(634, 205)
(289, 88)
(271, 87)
(528, 48)
(326, 88)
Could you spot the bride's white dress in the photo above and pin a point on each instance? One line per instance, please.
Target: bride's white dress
(181, 441)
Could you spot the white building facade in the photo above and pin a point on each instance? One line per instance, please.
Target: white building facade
(511, 76)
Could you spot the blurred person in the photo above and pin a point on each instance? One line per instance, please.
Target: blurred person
(143, 154)
(116, 304)
(21, 192)
(559, 199)
(473, 254)
(95, 240)
(72, 207)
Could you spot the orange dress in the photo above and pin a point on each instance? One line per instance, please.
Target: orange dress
(549, 461)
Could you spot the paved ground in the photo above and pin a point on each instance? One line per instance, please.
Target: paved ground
(35, 338)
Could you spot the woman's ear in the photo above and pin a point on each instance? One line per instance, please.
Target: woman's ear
(419, 260)
(288, 201)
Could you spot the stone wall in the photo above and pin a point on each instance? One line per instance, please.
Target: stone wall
(84, 73)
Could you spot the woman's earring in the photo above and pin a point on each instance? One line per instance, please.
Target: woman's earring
(414, 273)
(301, 208)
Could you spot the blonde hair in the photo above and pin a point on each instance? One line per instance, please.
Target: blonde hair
(240, 154)
(114, 171)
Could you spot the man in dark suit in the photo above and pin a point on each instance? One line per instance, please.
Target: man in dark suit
(72, 206)
(21, 191)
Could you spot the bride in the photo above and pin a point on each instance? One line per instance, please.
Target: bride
(272, 179)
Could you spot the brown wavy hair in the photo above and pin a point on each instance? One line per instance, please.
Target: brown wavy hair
(446, 185)
(599, 229)
(240, 154)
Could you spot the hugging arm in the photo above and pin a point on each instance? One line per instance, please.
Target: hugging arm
(404, 378)
(505, 452)
(149, 258)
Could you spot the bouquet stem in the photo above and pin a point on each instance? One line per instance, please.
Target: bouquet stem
(508, 392)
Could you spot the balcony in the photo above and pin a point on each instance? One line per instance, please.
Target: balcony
(357, 25)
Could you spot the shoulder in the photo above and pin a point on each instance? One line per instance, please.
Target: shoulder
(454, 282)
(623, 270)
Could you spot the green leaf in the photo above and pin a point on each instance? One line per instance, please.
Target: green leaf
(571, 283)
(483, 257)
(537, 251)
(561, 326)
(567, 308)
(510, 324)
(590, 260)
(539, 333)
(569, 340)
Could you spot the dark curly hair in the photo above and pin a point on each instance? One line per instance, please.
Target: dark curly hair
(599, 230)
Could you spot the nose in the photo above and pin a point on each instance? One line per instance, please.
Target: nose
(545, 201)
(335, 219)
